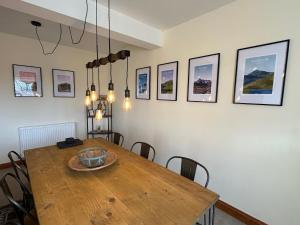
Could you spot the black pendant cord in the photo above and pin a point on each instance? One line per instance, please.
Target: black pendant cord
(92, 76)
(127, 73)
(98, 83)
(84, 25)
(109, 44)
(51, 52)
(87, 78)
(97, 47)
(110, 71)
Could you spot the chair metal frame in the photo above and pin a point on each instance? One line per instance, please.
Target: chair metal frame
(21, 210)
(145, 150)
(120, 138)
(189, 167)
(188, 170)
(19, 166)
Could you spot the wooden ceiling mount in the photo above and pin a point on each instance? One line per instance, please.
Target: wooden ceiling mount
(111, 58)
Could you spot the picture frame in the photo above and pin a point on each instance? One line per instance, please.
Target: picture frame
(63, 83)
(203, 78)
(167, 81)
(143, 83)
(261, 73)
(27, 81)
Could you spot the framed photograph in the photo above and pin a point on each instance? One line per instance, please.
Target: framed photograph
(260, 74)
(203, 78)
(167, 76)
(27, 81)
(63, 83)
(143, 80)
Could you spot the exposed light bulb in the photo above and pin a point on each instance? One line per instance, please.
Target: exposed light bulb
(87, 100)
(98, 115)
(93, 93)
(87, 97)
(111, 94)
(127, 102)
(93, 96)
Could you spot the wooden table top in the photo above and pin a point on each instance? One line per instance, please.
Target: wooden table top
(130, 192)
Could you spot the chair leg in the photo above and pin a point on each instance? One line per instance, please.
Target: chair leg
(213, 215)
(209, 216)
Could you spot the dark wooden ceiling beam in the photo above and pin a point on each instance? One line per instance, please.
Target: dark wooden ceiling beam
(111, 58)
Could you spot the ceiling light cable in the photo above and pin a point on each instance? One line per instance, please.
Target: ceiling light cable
(84, 25)
(51, 52)
(87, 78)
(127, 73)
(109, 44)
(97, 46)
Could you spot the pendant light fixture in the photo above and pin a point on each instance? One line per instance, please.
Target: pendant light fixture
(87, 93)
(93, 88)
(96, 63)
(98, 114)
(127, 102)
(111, 94)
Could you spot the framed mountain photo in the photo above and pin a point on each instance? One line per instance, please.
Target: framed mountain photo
(143, 83)
(203, 78)
(63, 83)
(167, 75)
(260, 74)
(27, 81)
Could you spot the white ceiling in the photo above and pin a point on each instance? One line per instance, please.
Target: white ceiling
(14, 22)
(164, 14)
(159, 14)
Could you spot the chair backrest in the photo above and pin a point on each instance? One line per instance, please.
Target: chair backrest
(144, 150)
(117, 138)
(189, 167)
(20, 209)
(19, 166)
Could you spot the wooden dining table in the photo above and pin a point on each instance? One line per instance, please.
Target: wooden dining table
(133, 191)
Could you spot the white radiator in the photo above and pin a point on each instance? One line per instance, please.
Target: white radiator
(45, 135)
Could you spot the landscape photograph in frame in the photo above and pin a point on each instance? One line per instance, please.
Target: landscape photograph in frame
(27, 81)
(261, 73)
(143, 83)
(63, 83)
(167, 76)
(203, 76)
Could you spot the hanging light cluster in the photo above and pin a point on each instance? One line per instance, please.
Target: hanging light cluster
(91, 95)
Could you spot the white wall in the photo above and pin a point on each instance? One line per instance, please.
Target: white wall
(252, 152)
(17, 112)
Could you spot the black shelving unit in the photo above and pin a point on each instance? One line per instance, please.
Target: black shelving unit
(92, 132)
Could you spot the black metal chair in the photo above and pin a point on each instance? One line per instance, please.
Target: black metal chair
(20, 168)
(188, 170)
(116, 138)
(144, 150)
(19, 165)
(21, 207)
